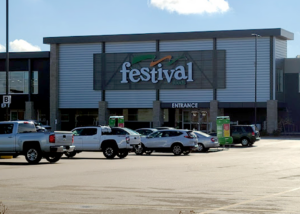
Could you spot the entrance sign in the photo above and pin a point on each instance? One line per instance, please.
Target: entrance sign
(184, 105)
(223, 130)
(160, 70)
(116, 121)
(7, 99)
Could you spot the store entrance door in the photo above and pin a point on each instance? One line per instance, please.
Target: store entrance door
(195, 120)
(191, 120)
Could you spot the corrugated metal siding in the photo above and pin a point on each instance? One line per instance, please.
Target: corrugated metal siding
(130, 98)
(280, 52)
(186, 45)
(128, 47)
(186, 95)
(76, 76)
(240, 69)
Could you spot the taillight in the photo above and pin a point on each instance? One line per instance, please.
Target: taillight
(72, 139)
(213, 140)
(127, 139)
(52, 138)
(190, 137)
(253, 134)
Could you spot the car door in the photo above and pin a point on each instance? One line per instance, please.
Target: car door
(77, 139)
(236, 134)
(7, 138)
(152, 141)
(90, 139)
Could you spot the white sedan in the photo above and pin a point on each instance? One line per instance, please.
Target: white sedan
(206, 141)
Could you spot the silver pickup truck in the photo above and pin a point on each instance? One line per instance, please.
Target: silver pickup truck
(21, 138)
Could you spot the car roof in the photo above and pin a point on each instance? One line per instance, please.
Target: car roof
(153, 129)
(17, 121)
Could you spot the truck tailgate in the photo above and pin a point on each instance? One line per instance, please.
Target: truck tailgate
(63, 138)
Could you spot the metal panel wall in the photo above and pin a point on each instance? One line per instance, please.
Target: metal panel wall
(240, 69)
(186, 95)
(280, 52)
(130, 98)
(130, 47)
(186, 45)
(76, 76)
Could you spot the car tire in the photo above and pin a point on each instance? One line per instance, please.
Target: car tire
(33, 154)
(177, 149)
(53, 158)
(186, 152)
(149, 152)
(110, 152)
(245, 142)
(122, 154)
(140, 150)
(201, 147)
(70, 154)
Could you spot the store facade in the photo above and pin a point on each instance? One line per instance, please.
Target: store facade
(29, 81)
(182, 80)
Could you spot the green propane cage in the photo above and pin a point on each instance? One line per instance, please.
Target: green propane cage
(223, 130)
(116, 121)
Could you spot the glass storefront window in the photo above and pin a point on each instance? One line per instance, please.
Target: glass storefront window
(17, 82)
(35, 82)
(186, 116)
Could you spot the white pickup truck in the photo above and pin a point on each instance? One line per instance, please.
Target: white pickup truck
(111, 141)
(21, 138)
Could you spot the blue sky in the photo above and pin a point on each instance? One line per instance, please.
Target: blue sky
(31, 20)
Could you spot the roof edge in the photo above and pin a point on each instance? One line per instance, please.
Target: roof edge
(277, 32)
(26, 55)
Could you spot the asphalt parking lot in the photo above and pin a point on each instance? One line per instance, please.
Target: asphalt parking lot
(261, 179)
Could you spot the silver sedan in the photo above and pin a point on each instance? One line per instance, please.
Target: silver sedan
(206, 141)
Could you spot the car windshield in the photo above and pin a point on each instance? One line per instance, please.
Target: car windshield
(202, 133)
(131, 132)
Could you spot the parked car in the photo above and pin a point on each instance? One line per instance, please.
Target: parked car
(41, 129)
(111, 141)
(40, 124)
(206, 141)
(169, 140)
(145, 131)
(21, 138)
(246, 135)
(163, 128)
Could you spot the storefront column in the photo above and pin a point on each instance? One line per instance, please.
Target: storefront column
(214, 107)
(29, 111)
(55, 120)
(158, 114)
(272, 116)
(103, 113)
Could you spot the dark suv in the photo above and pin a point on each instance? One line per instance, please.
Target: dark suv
(244, 134)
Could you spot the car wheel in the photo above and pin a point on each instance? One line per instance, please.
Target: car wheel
(201, 147)
(139, 150)
(122, 154)
(33, 155)
(53, 158)
(245, 142)
(177, 149)
(149, 152)
(70, 154)
(186, 152)
(110, 152)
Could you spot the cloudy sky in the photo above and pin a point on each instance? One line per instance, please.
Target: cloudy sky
(31, 20)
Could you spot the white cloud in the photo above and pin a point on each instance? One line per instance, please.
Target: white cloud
(20, 45)
(2, 48)
(187, 7)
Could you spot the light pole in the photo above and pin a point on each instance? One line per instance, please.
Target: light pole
(255, 76)
(7, 57)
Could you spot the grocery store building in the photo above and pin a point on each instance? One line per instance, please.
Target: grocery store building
(182, 80)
